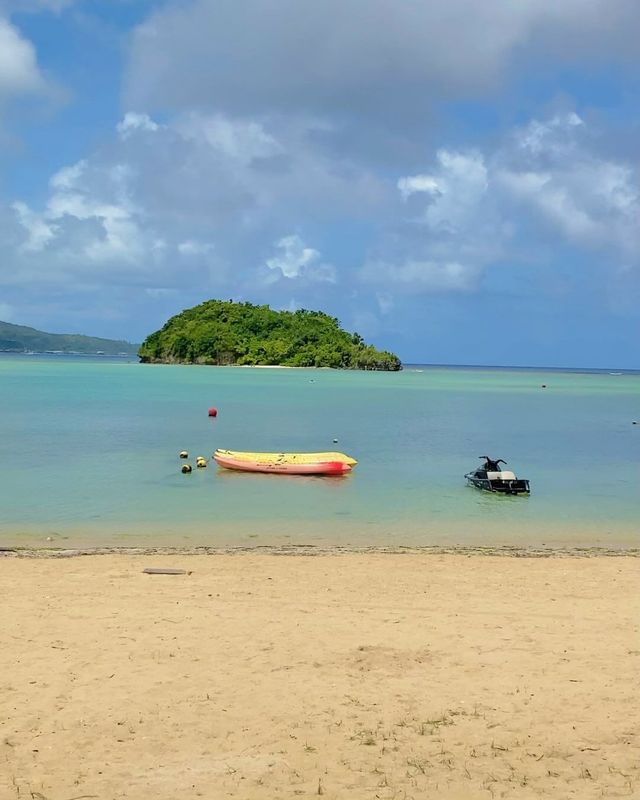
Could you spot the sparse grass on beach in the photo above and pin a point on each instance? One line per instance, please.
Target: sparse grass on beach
(262, 678)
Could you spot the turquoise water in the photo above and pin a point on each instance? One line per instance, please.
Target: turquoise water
(90, 455)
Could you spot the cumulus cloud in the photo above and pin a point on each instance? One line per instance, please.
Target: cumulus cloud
(551, 137)
(455, 230)
(591, 200)
(190, 200)
(296, 260)
(460, 186)
(243, 141)
(135, 122)
(345, 58)
(84, 226)
(38, 230)
(432, 276)
(293, 258)
(475, 211)
(191, 247)
(19, 72)
(205, 204)
(414, 184)
(279, 149)
(22, 83)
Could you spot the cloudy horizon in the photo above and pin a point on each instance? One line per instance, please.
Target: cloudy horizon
(458, 181)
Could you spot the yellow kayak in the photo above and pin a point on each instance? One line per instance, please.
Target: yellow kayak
(287, 463)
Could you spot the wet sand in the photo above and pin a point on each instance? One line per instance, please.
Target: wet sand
(370, 675)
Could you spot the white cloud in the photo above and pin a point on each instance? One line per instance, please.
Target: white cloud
(458, 232)
(591, 200)
(417, 183)
(294, 257)
(477, 209)
(84, 225)
(194, 201)
(197, 206)
(68, 178)
(544, 137)
(553, 198)
(237, 140)
(427, 276)
(462, 183)
(19, 73)
(39, 231)
(119, 237)
(136, 122)
(191, 247)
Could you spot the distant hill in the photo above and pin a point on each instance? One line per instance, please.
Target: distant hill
(20, 339)
(221, 332)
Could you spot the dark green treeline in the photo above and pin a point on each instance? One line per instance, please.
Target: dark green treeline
(223, 332)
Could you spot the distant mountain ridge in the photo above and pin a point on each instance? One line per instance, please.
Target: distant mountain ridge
(21, 339)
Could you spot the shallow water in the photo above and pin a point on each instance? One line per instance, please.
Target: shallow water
(91, 455)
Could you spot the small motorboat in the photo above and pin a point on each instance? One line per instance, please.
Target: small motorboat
(492, 478)
(286, 463)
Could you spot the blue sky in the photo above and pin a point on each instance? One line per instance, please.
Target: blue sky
(457, 180)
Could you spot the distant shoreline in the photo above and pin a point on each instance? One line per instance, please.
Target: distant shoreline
(408, 366)
(74, 353)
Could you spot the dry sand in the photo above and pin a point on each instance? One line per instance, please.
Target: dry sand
(347, 676)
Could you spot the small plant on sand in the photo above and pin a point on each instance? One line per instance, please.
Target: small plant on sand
(430, 726)
(366, 737)
(419, 764)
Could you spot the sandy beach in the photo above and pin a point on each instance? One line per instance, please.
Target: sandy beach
(343, 675)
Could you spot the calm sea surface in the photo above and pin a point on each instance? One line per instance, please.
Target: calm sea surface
(90, 455)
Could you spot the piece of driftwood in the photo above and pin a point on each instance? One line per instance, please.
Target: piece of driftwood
(164, 571)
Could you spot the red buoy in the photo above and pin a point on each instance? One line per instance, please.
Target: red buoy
(213, 412)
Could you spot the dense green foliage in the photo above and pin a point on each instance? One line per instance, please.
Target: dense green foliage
(20, 339)
(219, 332)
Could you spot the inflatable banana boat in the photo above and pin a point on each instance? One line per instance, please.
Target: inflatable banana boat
(286, 463)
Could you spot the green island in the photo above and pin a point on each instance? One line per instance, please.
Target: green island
(21, 339)
(220, 332)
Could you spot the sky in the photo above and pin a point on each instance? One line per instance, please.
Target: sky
(456, 180)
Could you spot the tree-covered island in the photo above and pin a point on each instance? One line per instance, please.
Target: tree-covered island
(223, 332)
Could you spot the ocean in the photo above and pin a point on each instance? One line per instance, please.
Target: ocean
(90, 455)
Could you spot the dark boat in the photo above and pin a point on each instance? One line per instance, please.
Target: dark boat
(492, 478)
